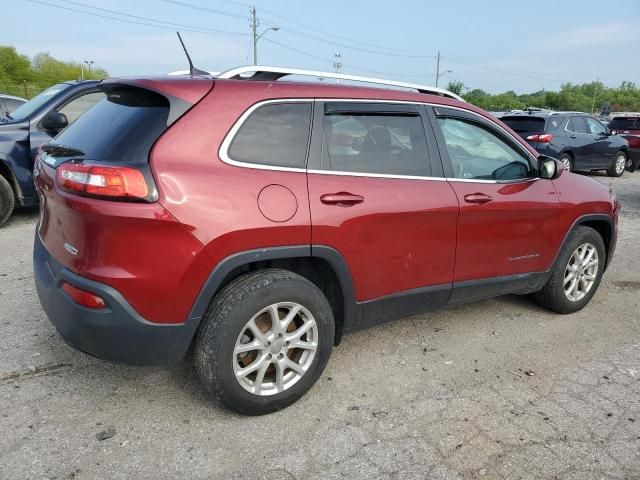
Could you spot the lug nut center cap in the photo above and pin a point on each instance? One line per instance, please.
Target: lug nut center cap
(276, 346)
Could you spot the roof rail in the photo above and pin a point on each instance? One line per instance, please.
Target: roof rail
(261, 72)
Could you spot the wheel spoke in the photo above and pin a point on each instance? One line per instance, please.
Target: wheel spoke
(589, 277)
(260, 377)
(248, 347)
(570, 276)
(279, 376)
(252, 367)
(288, 363)
(257, 333)
(303, 345)
(275, 318)
(290, 316)
(296, 335)
(588, 257)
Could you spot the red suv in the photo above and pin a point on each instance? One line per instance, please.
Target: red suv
(255, 221)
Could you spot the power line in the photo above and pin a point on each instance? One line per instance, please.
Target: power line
(205, 9)
(186, 28)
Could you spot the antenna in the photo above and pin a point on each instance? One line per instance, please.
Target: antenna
(192, 70)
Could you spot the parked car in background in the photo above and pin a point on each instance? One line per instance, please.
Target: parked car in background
(628, 126)
(8, 103)
(578, 140)
(255, 225)
(27, 128)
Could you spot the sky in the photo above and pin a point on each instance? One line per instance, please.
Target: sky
(495, 45)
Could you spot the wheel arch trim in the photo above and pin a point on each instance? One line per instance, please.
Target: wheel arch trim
(586, 218)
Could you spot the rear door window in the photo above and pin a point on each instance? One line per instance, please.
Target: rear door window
(577, 125)
(275, 135)
(373, 142)
(120, 128)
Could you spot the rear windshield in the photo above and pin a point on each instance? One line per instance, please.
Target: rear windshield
(525, 124)
(632, 123)
(120, 128)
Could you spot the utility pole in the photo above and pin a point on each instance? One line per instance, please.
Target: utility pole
(337, 63)
(595, 90)
(438, 68)
(81, 71)
(254, 27)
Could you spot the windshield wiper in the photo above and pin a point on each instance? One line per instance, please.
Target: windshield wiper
(56, 150)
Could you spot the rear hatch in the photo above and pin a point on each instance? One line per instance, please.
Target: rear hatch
(629, 128)
(532, 129)
(98, 199)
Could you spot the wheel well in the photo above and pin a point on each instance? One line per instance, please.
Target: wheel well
(317, 270)
(570, 153)
(603, 228)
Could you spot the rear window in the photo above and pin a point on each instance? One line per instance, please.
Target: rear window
(525, 124)
(632, 123)
(120, 128)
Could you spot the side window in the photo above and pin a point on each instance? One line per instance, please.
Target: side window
(12, 104)
(476, 152)
(595, 127)
(577, 125)
(274, 134)
(79, 105)
(366, 142)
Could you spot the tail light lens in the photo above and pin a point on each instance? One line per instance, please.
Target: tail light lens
(82, 297)
(542, 137)
(102, 181)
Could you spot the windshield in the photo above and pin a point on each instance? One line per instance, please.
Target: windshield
(26, 110)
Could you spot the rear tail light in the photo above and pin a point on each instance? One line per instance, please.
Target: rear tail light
(102, 181)
(542, 137)
(82, 297)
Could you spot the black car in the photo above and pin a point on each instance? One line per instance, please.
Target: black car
(8, 103)
(29, 126)
(578, 140)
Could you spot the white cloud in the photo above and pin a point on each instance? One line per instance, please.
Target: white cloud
(606, 35)
(154, 53)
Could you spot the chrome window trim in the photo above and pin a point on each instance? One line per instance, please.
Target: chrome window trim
(223, 152)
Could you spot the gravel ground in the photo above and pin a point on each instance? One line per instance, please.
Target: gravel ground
(496, 389)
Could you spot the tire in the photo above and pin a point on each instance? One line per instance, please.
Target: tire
(618, 165)
(632, 165)
(226, 327)
(7, 200)
(566, 159)
(553, 296)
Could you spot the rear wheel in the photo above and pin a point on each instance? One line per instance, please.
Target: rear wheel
(566, 160)
(7, 200)
(618, 165)
(576, 274)
(265, 340)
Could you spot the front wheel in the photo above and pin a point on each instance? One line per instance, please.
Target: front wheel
(7, 200)
(576, 274)
(265, 340)
(618, 165)
(566, 160)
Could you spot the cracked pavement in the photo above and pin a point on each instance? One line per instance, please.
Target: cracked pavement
(495, 389)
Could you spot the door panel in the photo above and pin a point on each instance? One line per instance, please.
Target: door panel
(513, 233)
(602, 150)
(373, 200)
(507, 222)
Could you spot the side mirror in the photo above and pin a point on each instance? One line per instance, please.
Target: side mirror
(54, 121)
(549, 168)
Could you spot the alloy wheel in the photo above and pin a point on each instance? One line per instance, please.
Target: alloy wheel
(275, 348)
(581, 272)
(621, 163)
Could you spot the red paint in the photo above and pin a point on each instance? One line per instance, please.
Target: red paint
(395, 234)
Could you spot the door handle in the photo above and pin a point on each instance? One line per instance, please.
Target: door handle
(572, 136)
(479, 198)
(343, 199)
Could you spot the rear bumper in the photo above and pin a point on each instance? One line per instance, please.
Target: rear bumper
(116, 333)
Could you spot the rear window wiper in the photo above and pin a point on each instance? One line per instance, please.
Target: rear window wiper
(56, 150)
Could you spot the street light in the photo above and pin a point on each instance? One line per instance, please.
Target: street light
(89, 63)
(255, 42)
(442, 74)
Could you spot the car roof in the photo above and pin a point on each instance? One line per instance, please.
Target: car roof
(12, 97)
